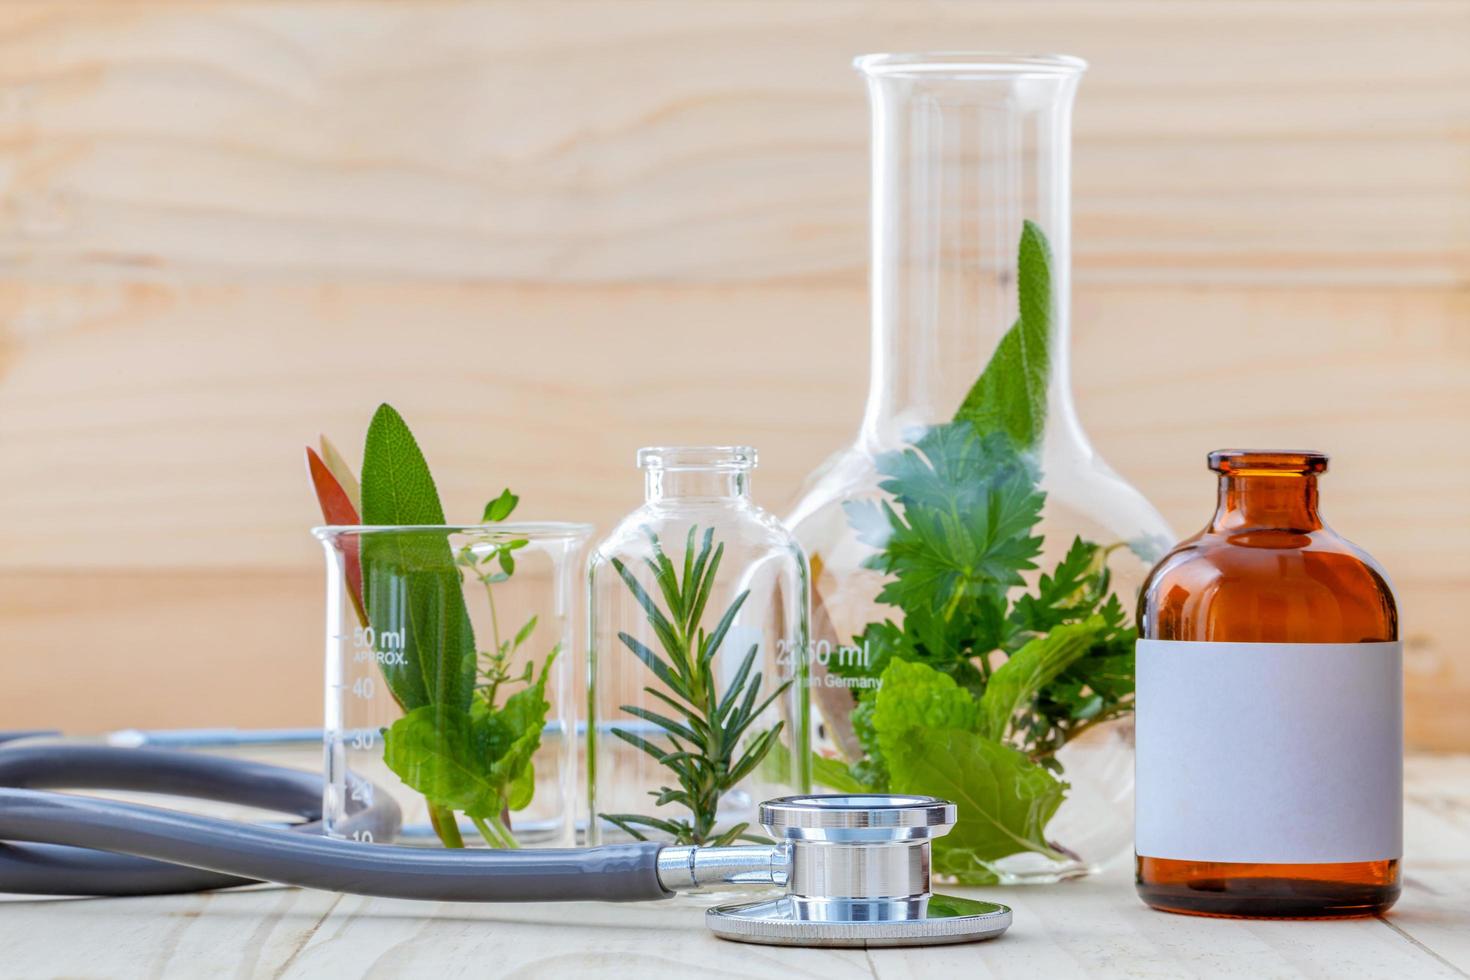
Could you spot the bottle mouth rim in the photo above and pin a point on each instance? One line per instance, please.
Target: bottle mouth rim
(1268, 462)
(968, 64)
(728, 459)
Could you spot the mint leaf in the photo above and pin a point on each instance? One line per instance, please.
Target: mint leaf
(433, 752)
(916, 696)
(966, 867)
(478, 763)
(870, 769)
(1003, 799)
(411, 585)
(1016, 682)
(1010, 395)
(924, 725)
(835, 775)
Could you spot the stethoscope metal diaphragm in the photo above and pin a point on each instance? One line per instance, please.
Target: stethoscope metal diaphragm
(858, 874)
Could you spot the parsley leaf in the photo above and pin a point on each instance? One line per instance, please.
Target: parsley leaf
(961, 531)
(1068, 592)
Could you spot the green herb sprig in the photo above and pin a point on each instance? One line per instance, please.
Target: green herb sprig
(458, 743)
(704, 751)
(980, 686)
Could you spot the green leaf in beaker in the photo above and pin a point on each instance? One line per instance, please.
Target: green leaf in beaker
(478, 762)
(411, 585)
(432, 751)
(509, 737)
(523, 634)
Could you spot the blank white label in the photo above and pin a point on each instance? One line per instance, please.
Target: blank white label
(1283, 753)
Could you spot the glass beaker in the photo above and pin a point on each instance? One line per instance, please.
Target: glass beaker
(448, 678)
(970, 444)
(697, 699)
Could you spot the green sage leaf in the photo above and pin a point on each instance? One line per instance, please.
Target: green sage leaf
(1010, 395)
(411, 585)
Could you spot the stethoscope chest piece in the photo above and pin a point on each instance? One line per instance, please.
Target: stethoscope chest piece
(858, 875)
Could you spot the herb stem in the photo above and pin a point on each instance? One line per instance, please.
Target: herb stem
(486, 832)
(496, 834)
(494, 619)
(504, 830)
(445, 825)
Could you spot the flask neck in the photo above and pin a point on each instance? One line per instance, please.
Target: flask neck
(1276, 501)
(1267, 489)
(696, 472)
(962, 156)
(663, 485)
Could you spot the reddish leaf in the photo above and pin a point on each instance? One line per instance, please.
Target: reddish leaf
(342, 472)
(337, 509)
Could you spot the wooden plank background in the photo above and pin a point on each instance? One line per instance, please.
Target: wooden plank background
(551, 231)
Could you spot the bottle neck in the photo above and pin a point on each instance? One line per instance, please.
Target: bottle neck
(1276, 500)
(958, 163)
(695, 484)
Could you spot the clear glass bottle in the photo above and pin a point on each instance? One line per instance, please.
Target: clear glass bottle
(1270, 709)
(449, 651)
(697, 679)
(968, 152)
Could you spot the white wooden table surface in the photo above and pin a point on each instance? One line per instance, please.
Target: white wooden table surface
(1088, 928)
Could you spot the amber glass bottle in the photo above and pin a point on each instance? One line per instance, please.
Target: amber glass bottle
(1270, 748)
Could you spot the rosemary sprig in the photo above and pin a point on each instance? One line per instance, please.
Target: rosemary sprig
(704, 752)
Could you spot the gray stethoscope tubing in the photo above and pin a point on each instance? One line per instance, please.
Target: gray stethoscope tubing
(77, 845)
(856, 867)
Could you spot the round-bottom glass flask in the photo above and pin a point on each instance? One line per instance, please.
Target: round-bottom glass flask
(697, 692)
(971, 529)
(448, 670)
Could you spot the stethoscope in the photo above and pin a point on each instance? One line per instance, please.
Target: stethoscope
(856, 868)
